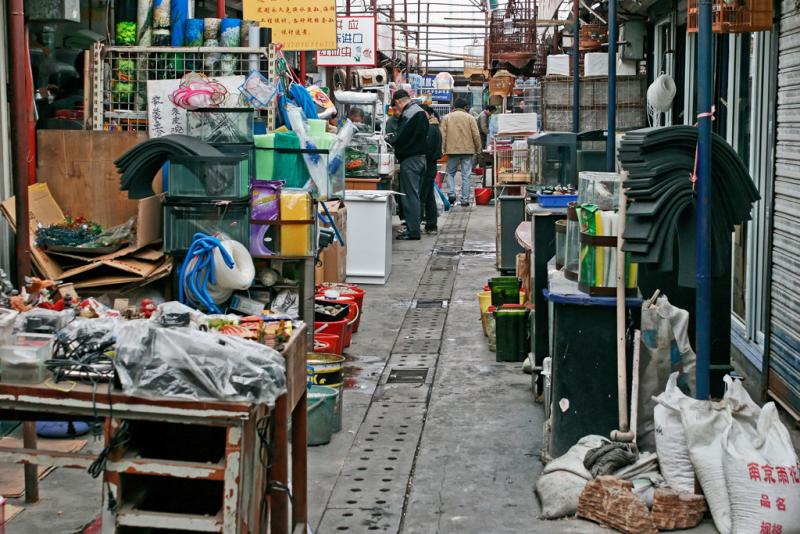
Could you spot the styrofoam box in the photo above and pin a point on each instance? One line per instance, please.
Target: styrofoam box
(557, 65)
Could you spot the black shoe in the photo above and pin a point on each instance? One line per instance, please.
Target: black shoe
(407, 237)
(431, 230)
(465, 203)
(452, 200)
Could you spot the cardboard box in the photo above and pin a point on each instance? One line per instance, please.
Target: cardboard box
(136, 263)
(334, 257)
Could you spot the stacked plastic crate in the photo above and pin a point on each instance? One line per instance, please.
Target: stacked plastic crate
(210, 194)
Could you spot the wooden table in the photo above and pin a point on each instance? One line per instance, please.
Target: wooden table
(198, 466)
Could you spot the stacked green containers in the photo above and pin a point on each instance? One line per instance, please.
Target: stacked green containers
(505, 290)
(511, 325)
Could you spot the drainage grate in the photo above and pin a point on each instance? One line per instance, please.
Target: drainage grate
(407, 376)
(430, 303)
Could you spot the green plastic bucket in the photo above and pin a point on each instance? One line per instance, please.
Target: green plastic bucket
(321, 404)
(511, 322)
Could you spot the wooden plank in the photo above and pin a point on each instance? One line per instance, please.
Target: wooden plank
(23, 455)
(78, 166)
(300, 461)
(233, 479)
(295, 354)
(130, 517)
(279, 471)
(131, 463)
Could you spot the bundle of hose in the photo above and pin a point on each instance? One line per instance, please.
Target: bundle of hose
(139, 165)
(212, 270)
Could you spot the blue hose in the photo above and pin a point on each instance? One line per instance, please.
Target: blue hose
(197, 277)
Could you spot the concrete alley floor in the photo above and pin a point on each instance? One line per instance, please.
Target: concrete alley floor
(476, 430)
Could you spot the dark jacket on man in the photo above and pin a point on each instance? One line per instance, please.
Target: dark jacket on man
(434, 142)
(412, 134)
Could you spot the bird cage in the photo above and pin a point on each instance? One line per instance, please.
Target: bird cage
(473, 59)
(733, 16)
(511, 160)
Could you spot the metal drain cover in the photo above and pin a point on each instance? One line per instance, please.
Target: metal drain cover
(407, 376)
(430, 303)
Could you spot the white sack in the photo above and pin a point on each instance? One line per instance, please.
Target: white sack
(762, 475)
(670, 439)
(664, 349)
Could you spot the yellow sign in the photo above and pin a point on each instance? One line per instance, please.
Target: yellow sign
(296, 24)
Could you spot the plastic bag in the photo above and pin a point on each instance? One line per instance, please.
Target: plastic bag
(191, 364)
(665, 348)
(762, 475)
(314, 163)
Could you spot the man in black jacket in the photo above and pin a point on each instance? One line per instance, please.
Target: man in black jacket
(427, 193)
(410, 148)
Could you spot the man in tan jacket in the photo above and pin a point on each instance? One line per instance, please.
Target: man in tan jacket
(461, 141)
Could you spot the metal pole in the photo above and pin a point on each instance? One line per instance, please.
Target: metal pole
(221, 9)
(611, 148)
(21, 96)
(405, 19)
(427, 36)
(703, 296)
(576, 67)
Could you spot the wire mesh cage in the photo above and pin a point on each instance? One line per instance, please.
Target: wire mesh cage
(733, 16)
(121, 73)
(512, 160)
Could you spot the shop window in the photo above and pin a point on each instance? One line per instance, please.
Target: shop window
(751, 98)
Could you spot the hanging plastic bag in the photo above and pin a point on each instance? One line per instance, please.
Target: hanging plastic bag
(762, 475)
(343, 138)
(439, 203)
(664, 349)
(316, 167)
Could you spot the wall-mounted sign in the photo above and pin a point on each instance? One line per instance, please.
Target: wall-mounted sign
(441, 95)
(296, 24)
(355, 44)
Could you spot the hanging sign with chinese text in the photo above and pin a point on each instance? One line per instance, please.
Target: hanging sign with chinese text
(355, 40)
(296, 24)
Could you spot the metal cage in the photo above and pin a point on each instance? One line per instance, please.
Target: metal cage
(120, 75)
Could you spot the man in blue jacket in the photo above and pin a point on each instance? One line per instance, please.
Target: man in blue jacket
(410, 148)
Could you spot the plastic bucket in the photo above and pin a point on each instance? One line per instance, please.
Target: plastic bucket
(333, 340)
(491, 328)
(484, 300)
(338, 328)
(321, 406)
(353, 314)
(482, 196)
(325, 369)
(511, 327)
(323, 347)
(346, 290)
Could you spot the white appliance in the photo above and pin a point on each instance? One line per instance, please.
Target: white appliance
(369, 236)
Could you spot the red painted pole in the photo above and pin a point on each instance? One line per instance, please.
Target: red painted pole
(303, 67)
(21, 117)
(221, 9)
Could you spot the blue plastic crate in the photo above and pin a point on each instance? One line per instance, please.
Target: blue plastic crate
(556, 201)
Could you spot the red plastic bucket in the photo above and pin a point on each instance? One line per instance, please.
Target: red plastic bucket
(324, 347)
(352, 316)
(482, 196)
(338, 328)
(333, 340)
(354, 292)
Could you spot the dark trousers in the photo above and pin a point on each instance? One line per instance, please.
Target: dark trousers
(427, 196)
(412, 170)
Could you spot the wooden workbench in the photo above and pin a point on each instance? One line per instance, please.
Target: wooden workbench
(196, 466)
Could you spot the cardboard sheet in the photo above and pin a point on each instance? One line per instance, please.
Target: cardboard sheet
(12, 476)
(119, 267)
